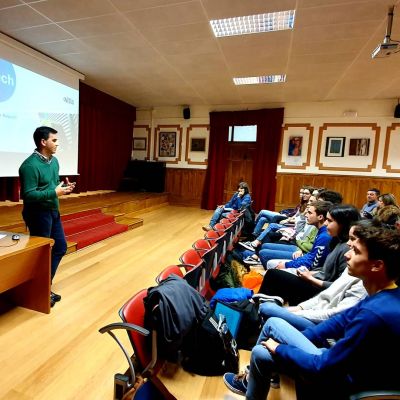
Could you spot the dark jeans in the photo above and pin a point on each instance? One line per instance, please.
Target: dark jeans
(47, 223)
(289, 286)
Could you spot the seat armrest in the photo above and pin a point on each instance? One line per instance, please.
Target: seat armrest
(125, 326)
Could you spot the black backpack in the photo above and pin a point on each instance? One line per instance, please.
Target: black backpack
(210, 349)
(250, 323)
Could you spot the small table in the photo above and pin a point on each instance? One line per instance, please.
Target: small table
(25, 271)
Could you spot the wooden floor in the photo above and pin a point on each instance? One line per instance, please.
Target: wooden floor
(62, 355)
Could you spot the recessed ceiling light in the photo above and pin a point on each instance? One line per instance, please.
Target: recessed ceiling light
(276, 21)
(254, 80)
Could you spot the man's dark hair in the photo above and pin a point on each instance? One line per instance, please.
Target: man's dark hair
(330, 195)
(377, 191)
(43, 132)
(321, 207)
(381, 243)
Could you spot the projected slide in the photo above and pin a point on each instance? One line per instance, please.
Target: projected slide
(29, 100)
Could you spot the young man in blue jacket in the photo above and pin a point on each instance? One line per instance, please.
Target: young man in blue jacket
(365, 336)
(273, 255)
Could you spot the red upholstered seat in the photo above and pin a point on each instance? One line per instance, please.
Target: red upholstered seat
(167, 271)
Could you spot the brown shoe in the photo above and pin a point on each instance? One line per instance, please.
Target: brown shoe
(207, 228)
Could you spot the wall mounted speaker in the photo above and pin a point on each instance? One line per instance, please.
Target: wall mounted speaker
(186, 113)
(397, 111)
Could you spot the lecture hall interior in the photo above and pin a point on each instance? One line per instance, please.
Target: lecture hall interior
(174, 103)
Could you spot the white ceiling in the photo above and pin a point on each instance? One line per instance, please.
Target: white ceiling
(162, 52)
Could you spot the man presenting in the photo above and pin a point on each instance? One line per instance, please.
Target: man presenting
(40, 189)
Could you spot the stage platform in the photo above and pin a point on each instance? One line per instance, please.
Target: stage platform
(125, 207)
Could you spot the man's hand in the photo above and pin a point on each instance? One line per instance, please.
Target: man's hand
(70, 184)
(270, 345)
(64, 188)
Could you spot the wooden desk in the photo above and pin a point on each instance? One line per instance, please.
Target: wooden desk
(25, 271)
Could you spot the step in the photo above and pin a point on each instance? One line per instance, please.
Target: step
(80, 214)
(18, 227)
(131, 222)
(71, 247)
(96, 234)
(84, 223)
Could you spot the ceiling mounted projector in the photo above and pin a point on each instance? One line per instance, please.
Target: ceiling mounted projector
(388, 46)
(385, 50)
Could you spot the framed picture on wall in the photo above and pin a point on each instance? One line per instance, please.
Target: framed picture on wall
(167, 144)
(335, 146)
(359, 147)
(295, 145)
(198, 144)
(139, 143)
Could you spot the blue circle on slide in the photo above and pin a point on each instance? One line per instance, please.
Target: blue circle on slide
(8, 80)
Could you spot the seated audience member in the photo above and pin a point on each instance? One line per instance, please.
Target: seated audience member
(274, 255)
(267, 216)
(317, 190)
(239, 201)
(365, 336)
(330, 195)
(368, 208)
(345, 292)
(299, 231)
(295, 288)
(387, 210)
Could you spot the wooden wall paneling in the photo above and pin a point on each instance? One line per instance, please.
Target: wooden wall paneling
(353, 188)
(288, 188)
(185, 186)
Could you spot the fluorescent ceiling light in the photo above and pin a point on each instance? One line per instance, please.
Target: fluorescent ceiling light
(276, 21)
(254, 80)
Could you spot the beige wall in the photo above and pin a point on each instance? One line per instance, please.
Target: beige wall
(315, 122)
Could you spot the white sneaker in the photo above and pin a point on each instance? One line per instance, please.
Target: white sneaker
(251, 261)
(262, 298)
(247, 245)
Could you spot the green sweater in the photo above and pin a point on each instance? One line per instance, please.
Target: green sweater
(38, 179)
(306, 244)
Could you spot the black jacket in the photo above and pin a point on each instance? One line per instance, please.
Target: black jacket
(173, 308)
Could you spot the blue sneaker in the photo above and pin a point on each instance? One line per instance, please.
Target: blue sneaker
(236, 383)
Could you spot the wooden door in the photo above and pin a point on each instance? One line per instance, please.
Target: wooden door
(239, 167)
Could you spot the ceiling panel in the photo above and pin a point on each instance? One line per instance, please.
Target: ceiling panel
(163, 52)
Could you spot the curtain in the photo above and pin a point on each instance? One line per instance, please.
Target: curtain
(217, 154)
(105, 139)
(9, 188)
(269, 131)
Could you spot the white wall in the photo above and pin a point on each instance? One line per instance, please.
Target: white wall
(367, 119)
